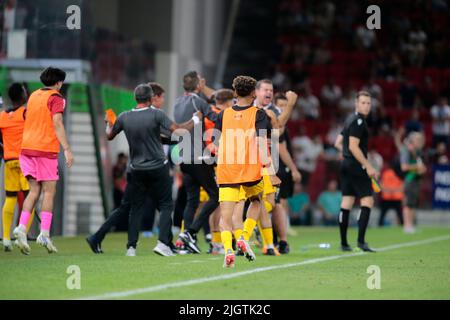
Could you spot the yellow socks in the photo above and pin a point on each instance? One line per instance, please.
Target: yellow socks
(249, 225)
(237, 233)
(216, 238)
(263, 236)
(268, 237)
(227, 241)
(8, 216)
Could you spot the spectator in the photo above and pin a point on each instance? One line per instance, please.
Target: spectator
(407, 97)
(306, 152)
(375, 159)
(329, 203)
(440, 155)
(414, 124)
(331, 93)
(309, 104)
(279, 78)
(380, 121)
(440, 114)
(393, 67)
(413, 169)
(347, 102)
(416, 46)
(376, 92)
(365, 38)
(428, 93)
(299, 205)
(322, 55)
(392, 194)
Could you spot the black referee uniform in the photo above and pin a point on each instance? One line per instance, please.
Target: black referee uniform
(354, 179)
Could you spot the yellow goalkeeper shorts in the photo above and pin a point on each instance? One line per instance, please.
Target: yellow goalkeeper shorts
(14, 179)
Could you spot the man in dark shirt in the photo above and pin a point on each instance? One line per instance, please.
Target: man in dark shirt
(196, 167)
(148, 170)
(356, 171)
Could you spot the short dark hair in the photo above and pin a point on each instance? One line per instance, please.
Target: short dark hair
(158, 90)
(279, 96)
(363, 94)
(223, 95)
(191, 81)
(263, 81)
(17, 93)
(143, 93)
(244, 85)
(51, 76)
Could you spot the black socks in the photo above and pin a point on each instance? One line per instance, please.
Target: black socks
(343, 225)
(363, 223)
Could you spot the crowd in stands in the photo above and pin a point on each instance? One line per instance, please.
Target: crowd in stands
(326, 53)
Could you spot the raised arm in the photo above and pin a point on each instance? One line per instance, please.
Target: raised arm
(286, 114)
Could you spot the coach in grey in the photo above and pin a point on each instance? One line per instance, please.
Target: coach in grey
(148, 168)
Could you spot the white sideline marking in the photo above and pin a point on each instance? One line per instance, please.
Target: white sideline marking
(113, 295)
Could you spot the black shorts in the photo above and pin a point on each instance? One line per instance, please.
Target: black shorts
(355, 184)
(286, 189)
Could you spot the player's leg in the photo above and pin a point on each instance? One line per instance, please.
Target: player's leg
(238, 215)
(48, 191)
(363, 221)
(20, 232)
(343, 220)
(280, 222)
(95, 240)
(162, 184)
(7, 218)
(12, 187)
(228, 197)
(266, 223)
(205, 176)
(25, 188)
(216, 240)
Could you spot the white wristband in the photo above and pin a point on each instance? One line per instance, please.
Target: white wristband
(196, 119)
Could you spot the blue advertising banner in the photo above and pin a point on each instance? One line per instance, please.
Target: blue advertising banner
(441, 187)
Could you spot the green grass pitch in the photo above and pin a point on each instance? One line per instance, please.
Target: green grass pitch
(412, 267)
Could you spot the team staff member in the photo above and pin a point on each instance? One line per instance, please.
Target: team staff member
(123, 211)
(264, 97)
(149, 169)
(196, 171)
(356, 171)
(12, 122)
(42, 136)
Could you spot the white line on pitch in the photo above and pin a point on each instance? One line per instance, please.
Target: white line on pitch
(123, 294)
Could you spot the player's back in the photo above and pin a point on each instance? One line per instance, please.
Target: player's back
(11, 126)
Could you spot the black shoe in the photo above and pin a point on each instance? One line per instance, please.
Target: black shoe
(270, 252)
(283, 247)
(365, 247)
(189, 241)
(95, 246)
(346, 247)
